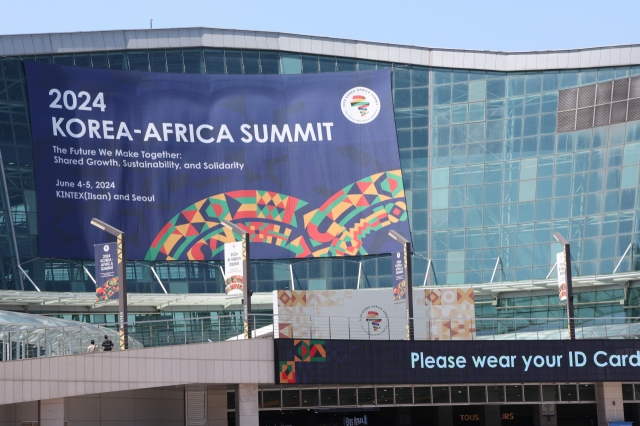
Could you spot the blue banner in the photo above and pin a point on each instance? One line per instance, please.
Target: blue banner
(107, 279)
(398, 261)
(307, 164)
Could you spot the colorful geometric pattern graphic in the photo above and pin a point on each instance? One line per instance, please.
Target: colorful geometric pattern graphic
(361, 103)
(287, 372)
(108, 291)
(339, 227)
(303, 351)
(309, 351)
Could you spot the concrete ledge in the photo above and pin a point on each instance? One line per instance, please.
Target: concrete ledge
(235, 362)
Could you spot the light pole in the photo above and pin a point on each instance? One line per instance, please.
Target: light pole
(122, 279)
(246, 274)
(406, 245)
(567, 267)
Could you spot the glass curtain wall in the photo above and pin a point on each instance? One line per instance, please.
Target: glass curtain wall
(486, 173)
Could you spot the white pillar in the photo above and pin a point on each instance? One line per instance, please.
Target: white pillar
(492, 415)
(247, 405)
(609, 401)
(51, 412)
(217, 407)
(445, 415)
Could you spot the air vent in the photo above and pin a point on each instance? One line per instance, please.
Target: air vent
(613, 104)
(586, 96)
(567, 99)
(196, 408)
(634, 109)
(618, 112)
(584, 118)
(603, 95)
(566, 121)
(634, 88)
(620, 90)
(602, 115)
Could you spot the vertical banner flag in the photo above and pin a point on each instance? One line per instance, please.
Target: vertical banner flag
(562, 276)
(399, 279)
(234, 274)
(107, 279)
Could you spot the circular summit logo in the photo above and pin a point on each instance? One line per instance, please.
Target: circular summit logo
(374, 320)
(360, 105)
(106, 248)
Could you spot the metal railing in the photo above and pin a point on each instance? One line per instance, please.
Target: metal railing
(23, 342)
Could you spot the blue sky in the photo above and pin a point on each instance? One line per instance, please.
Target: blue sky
(485, 25)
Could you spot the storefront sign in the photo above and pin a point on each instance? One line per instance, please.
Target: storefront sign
(355, 421)
(416, 362)
(548, 410)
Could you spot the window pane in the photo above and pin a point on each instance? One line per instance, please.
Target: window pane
(118, 61)
(532, 393)
(441, 95)
(269, 63)
(214, 61)
(477, 394)
(514, 393)
(327, 64)
(495, 393)
(440, 394)
(309, 64)
(174, 61)
(66, 60)
(419, 76)
(82, 60)
(587, 392)
(384, 396)
(347, 64)
(99, 60)
(627, 392)
(401, 77)
(291, 398)
(250, 61)
(193, 61)
(348, 396)
(459, 394)
(138, 61)
(328, 397)
(366, 396)
(568, 393)
(270, 399)
(157, 61)
(404, 396)
(421, 395)
(550, 393)
(233, 61)
(290, 63)
(366, 65)
(309, 397)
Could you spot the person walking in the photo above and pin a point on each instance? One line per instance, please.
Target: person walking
(92, 347)
(107, 345)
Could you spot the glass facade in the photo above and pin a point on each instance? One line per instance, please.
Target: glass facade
(489, 171)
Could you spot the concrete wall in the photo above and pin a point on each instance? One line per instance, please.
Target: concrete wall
(13, 414)
(144, 407)
(249, 361)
